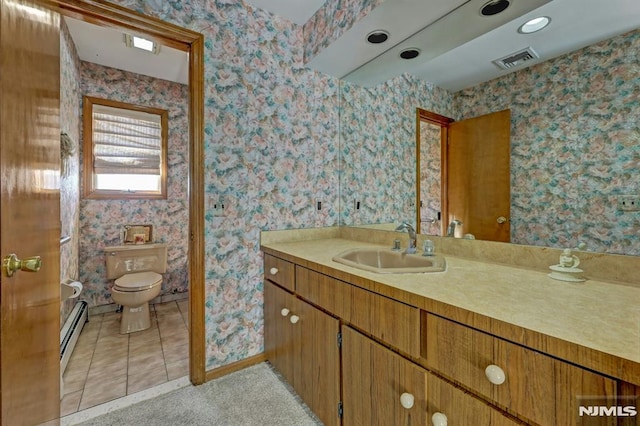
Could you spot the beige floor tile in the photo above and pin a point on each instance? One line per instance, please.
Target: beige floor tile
(103, 391)
(144, 338)
(176, 338)
(106, 365)
(178, 369)
(175, 354)
(164, 307)
(146, 363)
(80, 359)
(74, 380)
(106, 369)
(146, 380)
(70, 403)
(110, 352)
(151, 348)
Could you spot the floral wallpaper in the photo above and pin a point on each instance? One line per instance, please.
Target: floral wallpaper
(575, 141)
(378, 147)
(101, 221)
(271, 142)
(430, 178)
(333, 19)
(70, 167)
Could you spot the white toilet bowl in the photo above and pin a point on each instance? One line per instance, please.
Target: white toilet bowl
(134, 292)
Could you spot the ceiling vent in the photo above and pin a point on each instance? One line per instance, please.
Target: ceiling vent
(512, 60)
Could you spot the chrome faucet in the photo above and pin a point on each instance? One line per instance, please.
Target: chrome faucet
(451, 230)
(404, 226)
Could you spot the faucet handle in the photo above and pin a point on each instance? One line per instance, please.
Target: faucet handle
(396, 245)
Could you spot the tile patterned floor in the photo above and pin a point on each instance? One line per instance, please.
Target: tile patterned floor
(106, 365)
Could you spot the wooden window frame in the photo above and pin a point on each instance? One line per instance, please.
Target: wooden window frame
(89, 189)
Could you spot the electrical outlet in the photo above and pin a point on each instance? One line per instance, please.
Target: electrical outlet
(318, 205)
(218, 208)
(629, 203)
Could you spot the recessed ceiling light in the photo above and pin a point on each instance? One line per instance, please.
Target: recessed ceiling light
(494, 7)
(141, 43)
(377, 36)
(533, 25)
(410, 53)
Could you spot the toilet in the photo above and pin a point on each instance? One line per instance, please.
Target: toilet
(136, 270)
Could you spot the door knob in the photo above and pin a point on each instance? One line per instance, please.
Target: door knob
(501, 220)
(11, 264)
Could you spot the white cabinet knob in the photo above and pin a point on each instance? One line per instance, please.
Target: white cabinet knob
(439, 419)
(273, 271)
(495, 374)
(294, 319)
(284, 312)
(407, 400)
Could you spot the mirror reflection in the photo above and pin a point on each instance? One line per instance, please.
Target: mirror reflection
(464, 167)
(574, 151)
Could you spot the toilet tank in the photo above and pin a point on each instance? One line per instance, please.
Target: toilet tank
(135, 258)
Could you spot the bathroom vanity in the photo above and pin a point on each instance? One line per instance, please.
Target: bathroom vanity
(478, 344)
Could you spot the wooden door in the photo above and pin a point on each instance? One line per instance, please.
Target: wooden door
(278, 334)
(29, 212)
(478, 174)
(374, 378)
(317, 367)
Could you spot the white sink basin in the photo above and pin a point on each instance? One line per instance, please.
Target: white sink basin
(385, 261)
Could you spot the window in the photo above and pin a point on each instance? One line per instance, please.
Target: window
(125, 150)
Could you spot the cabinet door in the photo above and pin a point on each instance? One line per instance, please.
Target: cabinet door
(278, 333)
(374, 378)
(460, 408)
(317, 367)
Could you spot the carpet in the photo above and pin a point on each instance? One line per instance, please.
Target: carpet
(254, 396)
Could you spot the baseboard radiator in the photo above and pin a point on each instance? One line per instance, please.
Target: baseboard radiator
(71, 331)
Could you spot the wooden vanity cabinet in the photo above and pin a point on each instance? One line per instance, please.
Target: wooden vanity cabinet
(536, 387)
(390, 348)
(301, 342)
(375, 379)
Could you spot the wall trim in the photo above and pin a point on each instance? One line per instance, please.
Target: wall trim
(235, 366)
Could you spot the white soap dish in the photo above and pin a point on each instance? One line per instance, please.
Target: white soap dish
(562, 273)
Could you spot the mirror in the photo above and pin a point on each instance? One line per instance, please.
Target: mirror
(574, 151)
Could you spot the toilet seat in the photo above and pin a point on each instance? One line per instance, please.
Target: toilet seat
(138, 281)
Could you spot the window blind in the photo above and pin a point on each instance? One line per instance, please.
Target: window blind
(126, 141)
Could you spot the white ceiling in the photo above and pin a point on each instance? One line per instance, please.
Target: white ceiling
(575, 24)
(105, 46)
(455, 52)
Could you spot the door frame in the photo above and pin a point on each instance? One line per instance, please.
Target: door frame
(110, 15)
(422, 115)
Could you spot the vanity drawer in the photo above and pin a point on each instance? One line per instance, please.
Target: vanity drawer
(279, 271)
(390, 321)
(536, 387)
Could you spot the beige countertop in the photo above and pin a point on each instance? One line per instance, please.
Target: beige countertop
(595, 315)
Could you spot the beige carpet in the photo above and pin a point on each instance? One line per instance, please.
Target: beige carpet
(254, 396)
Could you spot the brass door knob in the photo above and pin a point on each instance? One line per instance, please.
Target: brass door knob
(11, 264)
(502, 220)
